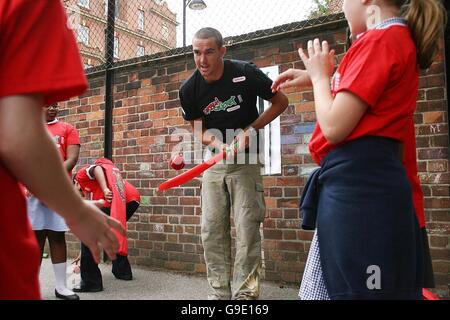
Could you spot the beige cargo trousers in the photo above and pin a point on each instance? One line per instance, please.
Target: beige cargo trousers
(237, 189)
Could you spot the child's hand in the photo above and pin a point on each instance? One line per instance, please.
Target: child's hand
(108, 194)
(95, 230)
(291, 78)
(319, 60)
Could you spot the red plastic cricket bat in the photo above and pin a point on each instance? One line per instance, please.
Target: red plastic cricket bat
(194, 172)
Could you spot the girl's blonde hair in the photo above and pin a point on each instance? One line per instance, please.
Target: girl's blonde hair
(426, 19)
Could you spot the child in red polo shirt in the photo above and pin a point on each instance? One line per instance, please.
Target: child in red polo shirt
(33, 75)
(46, 223)
(371, 102)
(103, 181)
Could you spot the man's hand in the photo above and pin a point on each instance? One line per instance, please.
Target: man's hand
(243, 139)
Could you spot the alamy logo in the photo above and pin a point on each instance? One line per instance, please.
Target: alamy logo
(374, 16)
(374, 280)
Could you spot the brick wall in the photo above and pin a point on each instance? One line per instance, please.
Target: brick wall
(165, 232)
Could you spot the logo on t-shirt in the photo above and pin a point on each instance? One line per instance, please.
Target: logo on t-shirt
(57, 141)
(218, 105)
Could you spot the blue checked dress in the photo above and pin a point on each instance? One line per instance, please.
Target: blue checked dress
(312, 286)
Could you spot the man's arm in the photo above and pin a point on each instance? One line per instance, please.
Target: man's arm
(279, 103)
(73, 152)
(28, 152)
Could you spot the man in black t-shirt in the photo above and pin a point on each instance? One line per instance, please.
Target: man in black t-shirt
(220, 97)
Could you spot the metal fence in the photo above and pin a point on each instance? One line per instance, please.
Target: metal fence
(138, 30)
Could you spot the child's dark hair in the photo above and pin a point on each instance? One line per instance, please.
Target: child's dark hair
(426, 19)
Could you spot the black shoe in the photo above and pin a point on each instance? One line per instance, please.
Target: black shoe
(126, 277)
(69, 297)
(88, 289)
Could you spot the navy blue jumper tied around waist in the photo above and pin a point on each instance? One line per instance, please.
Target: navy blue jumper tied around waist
(360, 201)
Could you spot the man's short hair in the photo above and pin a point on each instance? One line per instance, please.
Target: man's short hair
(206, 33)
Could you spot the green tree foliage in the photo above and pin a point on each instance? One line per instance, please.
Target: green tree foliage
(323, 8)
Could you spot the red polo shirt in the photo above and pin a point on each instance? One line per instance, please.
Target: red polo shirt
(39, 55)
(380, 68)
(89, 185)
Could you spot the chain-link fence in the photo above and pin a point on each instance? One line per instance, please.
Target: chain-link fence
(147, 29)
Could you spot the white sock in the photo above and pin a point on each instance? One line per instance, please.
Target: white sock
(60, 277)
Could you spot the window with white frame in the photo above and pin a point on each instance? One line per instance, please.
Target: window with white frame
(83, 3)
(272, 133)
(141, 20)
(83, 34)
(116, 47)
(165, 32)
(140, 52)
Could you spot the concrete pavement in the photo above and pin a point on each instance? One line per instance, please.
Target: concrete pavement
(149, 284)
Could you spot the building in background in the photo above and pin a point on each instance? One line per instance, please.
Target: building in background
(142, 27)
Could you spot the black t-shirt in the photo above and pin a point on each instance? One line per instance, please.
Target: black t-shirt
(228, 103)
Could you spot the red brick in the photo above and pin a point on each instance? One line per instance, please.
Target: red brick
(189, 220)
(305, 235)
(305, 107)
(438, 241)
(439, 141)
(158, 219)
(435, 94)
(441, 216)
(441, 267)
(291, 213)
(273, 234)
(267, 51)
(437, 203)
(270, 222)
(291, 192)
(275, 192)
(287, 203)
(271, 203)
(289, 181)
(289, 234)
(433, 117)
(309, 117)
(189, 238)
(264, 62)
(440, 254)
(440, 191)
(437, 166)
(434, 153)
(172, 238)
